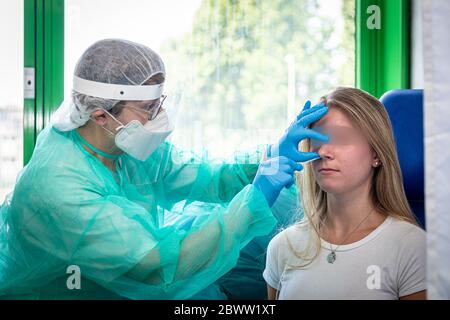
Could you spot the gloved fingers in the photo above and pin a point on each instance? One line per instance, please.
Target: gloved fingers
(299, 167)
(315, 116)
(300, 156)
(306, 107)
(273, 166)
(279, 165)
(294, 165)
(283, 165)
(285, 168)
(291, 183)
(312, 134)
(308, 111)
(289, 169)
(301, 133)
(264, 168)
(287, 165)
(289, 180)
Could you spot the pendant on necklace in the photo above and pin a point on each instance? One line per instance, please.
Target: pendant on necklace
(331, 257)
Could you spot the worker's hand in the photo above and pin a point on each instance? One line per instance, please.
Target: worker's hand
(275, 174)
(298, 131)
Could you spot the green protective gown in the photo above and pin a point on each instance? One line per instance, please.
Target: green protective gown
(245, 280)
(166, 228)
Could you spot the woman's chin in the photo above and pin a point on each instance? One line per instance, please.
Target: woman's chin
(330, 187)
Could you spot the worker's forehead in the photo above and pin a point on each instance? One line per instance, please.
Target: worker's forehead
(334, 118)
(140, 103)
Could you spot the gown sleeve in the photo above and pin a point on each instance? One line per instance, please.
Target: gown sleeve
(63, 218)
(190, 176)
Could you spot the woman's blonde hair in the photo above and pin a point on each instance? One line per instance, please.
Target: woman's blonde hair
(369, 115)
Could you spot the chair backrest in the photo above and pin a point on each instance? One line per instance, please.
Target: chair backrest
(405, 109)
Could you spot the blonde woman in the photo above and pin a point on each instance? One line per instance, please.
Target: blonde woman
(358, 238)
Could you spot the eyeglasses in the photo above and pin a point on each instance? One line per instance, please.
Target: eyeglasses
(152, 109)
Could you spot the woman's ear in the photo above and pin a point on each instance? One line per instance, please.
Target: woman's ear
(99, 117)
(376, 161)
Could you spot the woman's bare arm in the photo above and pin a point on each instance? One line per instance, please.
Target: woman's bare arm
(271, 293)
(421, 295)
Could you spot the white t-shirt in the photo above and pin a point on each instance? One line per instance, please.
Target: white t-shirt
(387, 264)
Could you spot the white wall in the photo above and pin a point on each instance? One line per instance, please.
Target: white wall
(417, 80)
(11, 94)
(436, 49)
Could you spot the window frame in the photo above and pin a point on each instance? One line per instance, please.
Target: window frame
(383, 56)
(44, 52)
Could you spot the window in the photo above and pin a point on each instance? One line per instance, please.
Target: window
(238, 72)
(11, 93)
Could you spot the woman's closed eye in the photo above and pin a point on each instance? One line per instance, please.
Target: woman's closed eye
(338, 136)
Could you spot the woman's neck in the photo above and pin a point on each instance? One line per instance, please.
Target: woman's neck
(348, 211)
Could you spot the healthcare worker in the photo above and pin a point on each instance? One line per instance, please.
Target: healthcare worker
(87, 218)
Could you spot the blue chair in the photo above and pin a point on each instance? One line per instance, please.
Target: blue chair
(405, 109)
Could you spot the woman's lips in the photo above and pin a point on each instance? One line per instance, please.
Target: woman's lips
(327, 171)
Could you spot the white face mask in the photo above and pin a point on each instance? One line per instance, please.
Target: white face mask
(140, 141)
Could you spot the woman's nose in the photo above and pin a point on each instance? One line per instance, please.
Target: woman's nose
(326, 151)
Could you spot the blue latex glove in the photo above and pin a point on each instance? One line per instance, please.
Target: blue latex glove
(273, 175)
(298, 131)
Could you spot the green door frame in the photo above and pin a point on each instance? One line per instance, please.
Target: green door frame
(43, 52)
(383, 55)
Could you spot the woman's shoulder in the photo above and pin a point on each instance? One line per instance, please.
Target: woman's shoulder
(408, 238)
(402, 229)
(295, 236)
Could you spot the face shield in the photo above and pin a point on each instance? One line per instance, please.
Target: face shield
(134, 138)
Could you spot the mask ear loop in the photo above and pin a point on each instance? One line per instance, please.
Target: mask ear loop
(121, 125)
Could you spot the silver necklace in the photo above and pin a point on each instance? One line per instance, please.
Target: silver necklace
(331, 258)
